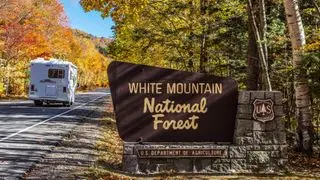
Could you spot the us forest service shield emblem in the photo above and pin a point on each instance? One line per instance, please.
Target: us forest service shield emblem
(263, 110)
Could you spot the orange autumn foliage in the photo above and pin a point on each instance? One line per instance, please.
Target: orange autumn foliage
(39, 28)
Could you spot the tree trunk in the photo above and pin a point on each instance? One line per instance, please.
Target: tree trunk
(7, 86)
(259, 34)
(302, 94)
(253, 57)
(7, 74)
(203, 45)
(263, 35)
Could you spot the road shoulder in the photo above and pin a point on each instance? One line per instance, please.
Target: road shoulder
(74, 154)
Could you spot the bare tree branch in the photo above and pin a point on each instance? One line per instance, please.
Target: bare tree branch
(316, 6)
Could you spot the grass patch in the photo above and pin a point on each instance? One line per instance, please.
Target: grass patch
(110, 146)
(108, 164)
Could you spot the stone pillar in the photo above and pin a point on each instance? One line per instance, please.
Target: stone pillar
(260, 146)
(129, 158)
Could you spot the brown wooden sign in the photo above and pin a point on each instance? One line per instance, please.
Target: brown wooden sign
(179, 153)
(163, 105)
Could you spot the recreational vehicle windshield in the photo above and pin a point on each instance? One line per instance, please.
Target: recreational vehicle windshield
(52, 81)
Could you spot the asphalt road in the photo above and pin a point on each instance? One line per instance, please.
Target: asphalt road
(28, 133)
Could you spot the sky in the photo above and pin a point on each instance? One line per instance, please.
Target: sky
(90, 22)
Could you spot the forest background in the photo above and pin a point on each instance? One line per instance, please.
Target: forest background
(262, 44)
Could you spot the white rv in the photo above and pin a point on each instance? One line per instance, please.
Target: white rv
(52, 81)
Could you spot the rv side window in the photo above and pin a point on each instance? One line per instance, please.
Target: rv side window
(56, 73)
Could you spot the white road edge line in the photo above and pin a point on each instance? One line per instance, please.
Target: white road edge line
(53, 117)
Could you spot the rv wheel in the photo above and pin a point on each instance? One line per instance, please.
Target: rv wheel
(38, 103)
(67, 104)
